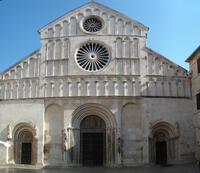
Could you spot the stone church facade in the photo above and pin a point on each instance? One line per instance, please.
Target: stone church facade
(95, 95)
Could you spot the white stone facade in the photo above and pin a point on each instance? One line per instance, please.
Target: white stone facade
(142, 97)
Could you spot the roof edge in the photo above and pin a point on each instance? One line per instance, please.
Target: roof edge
(193, 54)
(26, 57)
(152, 51)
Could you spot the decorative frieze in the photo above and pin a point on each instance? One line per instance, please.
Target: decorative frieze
(16, 89)
(77, 86)
(127, 47)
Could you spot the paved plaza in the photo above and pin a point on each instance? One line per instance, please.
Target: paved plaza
(148, 169)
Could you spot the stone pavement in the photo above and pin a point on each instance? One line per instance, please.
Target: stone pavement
(148, 169)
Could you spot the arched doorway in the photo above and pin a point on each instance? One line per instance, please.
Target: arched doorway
(24, 145)
(162, 143)
(80, 116)
(93, 143)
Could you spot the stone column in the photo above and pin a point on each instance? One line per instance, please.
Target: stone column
(146, 147)
(10, 146)
(118, 148)
(66, 145)
(76, 133)
(171, 150)
(73, 147)
(10, 156)
(137, 88)
(110, 146)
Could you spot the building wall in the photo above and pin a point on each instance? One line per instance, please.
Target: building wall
(195, 86)
(173, 111)
(151, 111)
(19, 112)
(135, 118)
(195, 90)
(136, 94)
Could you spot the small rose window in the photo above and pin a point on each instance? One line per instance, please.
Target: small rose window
(92, 24)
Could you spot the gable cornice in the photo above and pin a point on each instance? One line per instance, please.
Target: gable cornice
(26, 57)
(92, 3)
(159, 55)
(197, 50)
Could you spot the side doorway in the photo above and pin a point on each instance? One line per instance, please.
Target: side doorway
(25, 145)
(162, 144)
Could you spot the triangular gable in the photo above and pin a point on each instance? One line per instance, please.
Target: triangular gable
(87, 5)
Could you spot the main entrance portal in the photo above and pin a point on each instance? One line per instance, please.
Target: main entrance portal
(93, 141)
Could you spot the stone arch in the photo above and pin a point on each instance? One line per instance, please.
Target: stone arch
(25, 122)
(162, 143)
(18, 72)
(88, 12)
(120, 26)
(93, 109)
(126, 48)
(100, 111)
(165, 127)
(58, 30)
(25, 144)
(65, 28)
(73, 25)
(32, 63)
(95, 122)
(136, 47)
(54, 124)
(58, 50)
(50, 32)
(119, 47)
(97, 11)
(25, 69)
(13, 73)
(50, 54)
(128, 28)
(105, 17)
(112, 26)
(131, 115)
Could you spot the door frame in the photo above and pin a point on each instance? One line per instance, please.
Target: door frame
(164, 161)
(22, 154)
(103, 146)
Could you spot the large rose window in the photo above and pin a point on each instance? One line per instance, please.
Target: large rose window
(92, 56)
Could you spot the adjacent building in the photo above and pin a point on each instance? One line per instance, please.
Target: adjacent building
(194, 61)
(95, 95)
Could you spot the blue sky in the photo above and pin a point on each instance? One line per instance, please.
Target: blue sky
(174, 25)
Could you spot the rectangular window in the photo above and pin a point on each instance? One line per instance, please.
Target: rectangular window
(198, 101)
(198, 65)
